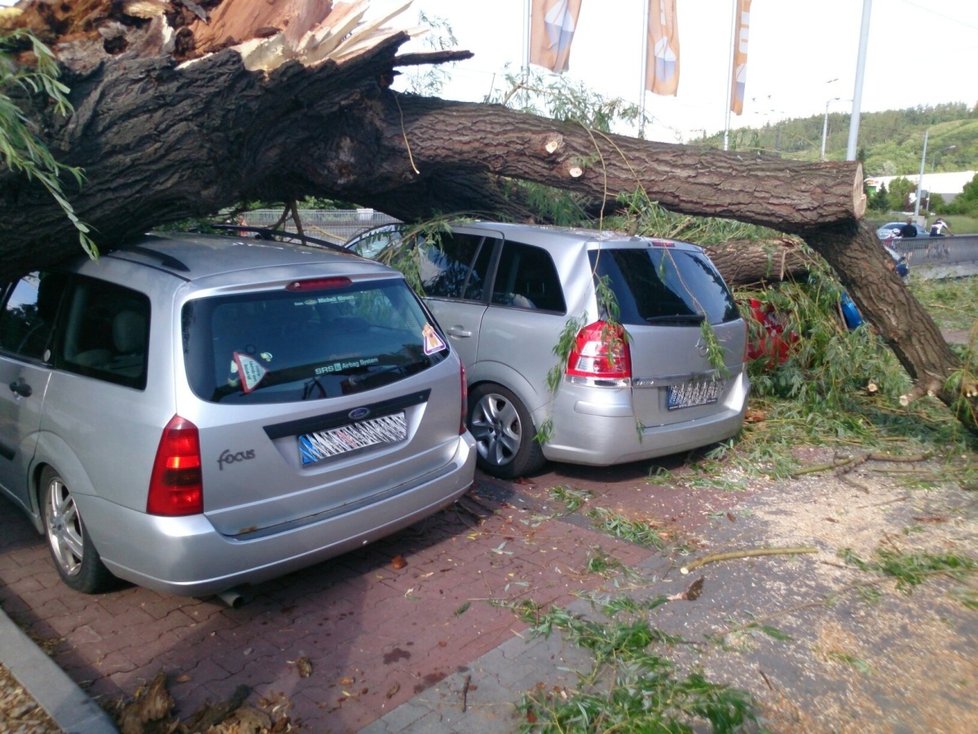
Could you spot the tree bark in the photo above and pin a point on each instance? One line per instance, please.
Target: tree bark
(853, 251)
(758, 262)
(161, 142)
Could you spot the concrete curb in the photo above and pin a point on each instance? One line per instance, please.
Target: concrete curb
(50, 686)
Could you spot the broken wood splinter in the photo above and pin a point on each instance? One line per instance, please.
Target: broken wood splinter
(750, 553)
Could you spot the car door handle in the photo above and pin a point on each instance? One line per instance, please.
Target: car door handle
(21, 388)
(459, 332)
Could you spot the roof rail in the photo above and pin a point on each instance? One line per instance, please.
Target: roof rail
(267, 233)
(165, 260)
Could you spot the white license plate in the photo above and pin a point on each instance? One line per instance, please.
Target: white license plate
(321, 445)
(695, 392)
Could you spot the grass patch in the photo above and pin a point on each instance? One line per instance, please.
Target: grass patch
(630, 688)
(951, 303)
(911, 569)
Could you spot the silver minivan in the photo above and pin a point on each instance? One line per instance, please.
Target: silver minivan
(196, 413)
(580, 346)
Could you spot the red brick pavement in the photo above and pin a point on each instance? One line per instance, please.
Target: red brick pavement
(374, 635)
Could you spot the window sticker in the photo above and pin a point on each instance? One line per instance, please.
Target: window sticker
(432, 341)
(349, 364)
(250, 371)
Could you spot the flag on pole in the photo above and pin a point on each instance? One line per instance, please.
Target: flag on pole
(662, 56)
(552, 25)
(739, 65)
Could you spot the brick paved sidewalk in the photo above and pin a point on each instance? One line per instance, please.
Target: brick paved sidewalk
(347, 641)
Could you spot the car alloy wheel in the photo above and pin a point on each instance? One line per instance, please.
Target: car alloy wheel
(504, 432)
(74, 554)
(64, 529)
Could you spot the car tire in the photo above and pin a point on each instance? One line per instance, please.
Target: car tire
(72, 550)
(505, 437)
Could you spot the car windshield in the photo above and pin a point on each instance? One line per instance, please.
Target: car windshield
(664, 286)
(280, 346)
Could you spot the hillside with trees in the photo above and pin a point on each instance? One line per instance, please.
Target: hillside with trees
(890, 142)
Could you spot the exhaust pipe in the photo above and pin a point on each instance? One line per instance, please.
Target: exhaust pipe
(232, 597)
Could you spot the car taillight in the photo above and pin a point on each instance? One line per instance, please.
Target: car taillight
(600, 352)
(465, 400)
(317, 284)
(176, 486)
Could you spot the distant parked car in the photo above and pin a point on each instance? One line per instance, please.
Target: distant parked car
(197, 413)
(581, 346)
(892, 229)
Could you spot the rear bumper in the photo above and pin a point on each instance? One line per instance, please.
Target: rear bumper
(587, 435)
(187, 556)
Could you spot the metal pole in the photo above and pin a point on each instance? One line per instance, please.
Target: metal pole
(733, 50)
(825, 129)
(920, 178)
(857, 93)
(643, 75)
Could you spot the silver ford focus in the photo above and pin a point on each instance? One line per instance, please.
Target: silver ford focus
(197, 413)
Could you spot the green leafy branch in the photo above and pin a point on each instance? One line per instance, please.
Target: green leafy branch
(22, 150)
(630, 687)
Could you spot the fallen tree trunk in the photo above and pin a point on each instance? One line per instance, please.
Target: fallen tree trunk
(852, 251)
(161, 142)
(757, 262)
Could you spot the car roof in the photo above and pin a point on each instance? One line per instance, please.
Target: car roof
(550, 235)
(191, 256)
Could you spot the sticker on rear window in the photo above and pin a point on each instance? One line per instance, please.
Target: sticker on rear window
(432, 341)
(250, 371)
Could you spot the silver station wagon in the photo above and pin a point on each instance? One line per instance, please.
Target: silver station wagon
(196, 413)
(580, 346)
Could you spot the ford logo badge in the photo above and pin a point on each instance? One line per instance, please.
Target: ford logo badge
(358, 414)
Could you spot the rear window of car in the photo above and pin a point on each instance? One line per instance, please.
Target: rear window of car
(663, 285)
(282, 346)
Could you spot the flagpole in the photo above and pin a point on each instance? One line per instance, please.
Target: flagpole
(733, 50)
(526, 51)
(857, 94)
(643, 76)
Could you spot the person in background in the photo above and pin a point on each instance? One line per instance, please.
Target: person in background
(908, 229)
(939, 228)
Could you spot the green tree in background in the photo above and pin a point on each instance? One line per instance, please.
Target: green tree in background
(880, 200)
(967, 201)
(898, 197)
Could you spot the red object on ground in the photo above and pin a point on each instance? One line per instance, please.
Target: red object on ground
(770, 340)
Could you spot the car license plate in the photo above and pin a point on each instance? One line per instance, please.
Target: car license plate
(692, 393)
(322, 445)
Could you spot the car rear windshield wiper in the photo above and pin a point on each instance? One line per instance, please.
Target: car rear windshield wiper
(677, 318)
(376, 376)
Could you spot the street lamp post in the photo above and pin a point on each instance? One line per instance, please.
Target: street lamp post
(825, 125)
(920, 178)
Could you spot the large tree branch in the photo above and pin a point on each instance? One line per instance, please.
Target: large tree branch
(787, 195)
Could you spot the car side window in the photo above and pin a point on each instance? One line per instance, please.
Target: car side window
(106, 332)
(28, 315)
(526, 278)
(455, 265)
